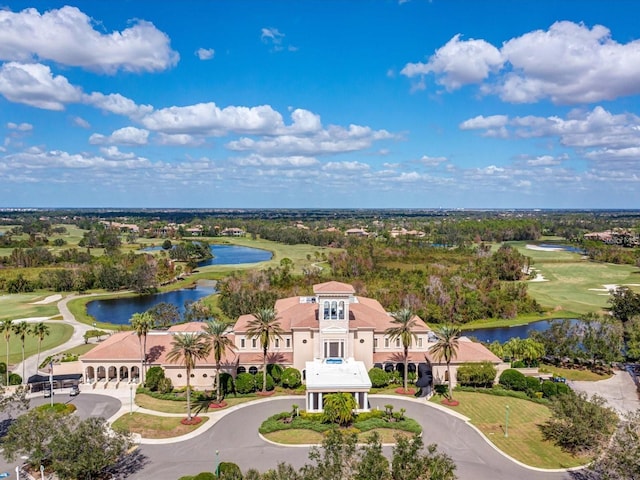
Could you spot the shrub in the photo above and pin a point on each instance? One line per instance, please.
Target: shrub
(518, 364)
(481, 374)
(291, 378)
(563, 388)
(379, 378)
(549, 389)
(513, 380)
(275, 371)
(228, 470)
(165, 385)
(533, 386)
(205, 476)
(245, 383)
(15, 379)
(154, 374)
(259, 381)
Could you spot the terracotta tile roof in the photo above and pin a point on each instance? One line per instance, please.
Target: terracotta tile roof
(468, 351)
(333, 287)
(188, 327)
(125, 347)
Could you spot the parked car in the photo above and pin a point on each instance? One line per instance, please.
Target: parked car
(75, 390)
(48, 392)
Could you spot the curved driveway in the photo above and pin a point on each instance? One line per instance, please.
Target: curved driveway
(236, 438)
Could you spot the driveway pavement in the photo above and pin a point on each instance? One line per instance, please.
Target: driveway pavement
(235, 437)
(619, 391)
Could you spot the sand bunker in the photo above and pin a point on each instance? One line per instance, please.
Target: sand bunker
(544, 249)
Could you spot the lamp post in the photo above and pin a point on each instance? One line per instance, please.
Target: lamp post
(506, 423)
(217, 463)
(42, 472)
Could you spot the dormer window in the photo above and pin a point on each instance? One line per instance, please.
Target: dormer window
(326, 310)
(334, 310)
(341, 310)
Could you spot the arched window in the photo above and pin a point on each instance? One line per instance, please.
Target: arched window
(341, 310)
(241, 370)
(326, 310)
(253, 370)
(334, 310)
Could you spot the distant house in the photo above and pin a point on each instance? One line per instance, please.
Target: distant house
(356, 232)
(618, 236)
(233, 232)
(195, 231)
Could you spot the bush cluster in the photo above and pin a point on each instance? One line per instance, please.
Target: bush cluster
(516, 381)
(481, 374)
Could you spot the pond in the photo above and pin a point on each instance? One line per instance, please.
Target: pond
(119, 310)
(504, 334)
(229, 255)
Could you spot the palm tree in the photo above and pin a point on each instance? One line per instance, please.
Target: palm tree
(142, 323)
(189, 348)
(264, 326)
(217, 334)
(21, 329)
(40, 330)
(6, 326)
(402, 325)
(446, 347)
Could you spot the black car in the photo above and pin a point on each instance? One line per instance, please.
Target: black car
(75, 390)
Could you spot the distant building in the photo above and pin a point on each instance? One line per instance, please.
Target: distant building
(233, 232)
(356, 232)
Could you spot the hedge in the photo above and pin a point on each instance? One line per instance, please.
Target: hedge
(379, 378)
(513, 380)
(245, 383)
(291, 378)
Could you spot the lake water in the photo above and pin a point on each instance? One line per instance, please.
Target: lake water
(503, 334)
(119, 310)
(229, 255)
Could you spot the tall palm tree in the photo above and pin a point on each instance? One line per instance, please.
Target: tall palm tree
(6, 327)
(188, 348)
(40, 330)
(446, 347)
(403, 323)
(21, 329)
(265, 326)
(216, 332)
(142, 323)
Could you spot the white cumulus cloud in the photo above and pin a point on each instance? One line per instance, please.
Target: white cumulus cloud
(205, 53)
(131, 136)
(67, 36)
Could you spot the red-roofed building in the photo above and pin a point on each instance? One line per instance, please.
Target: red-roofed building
(333, 323)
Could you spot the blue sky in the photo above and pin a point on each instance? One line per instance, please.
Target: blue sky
(320, 104)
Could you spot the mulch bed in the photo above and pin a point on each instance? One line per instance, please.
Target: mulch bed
(193, 421)
(408, 391)
(450, 403)
(268, 393)
(218, 405)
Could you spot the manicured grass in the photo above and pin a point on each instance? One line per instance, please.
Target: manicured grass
(296, 437)
(571, 278)
(81, 349)
(179, 406)
(59, 333)
(524, 441)
(20, 305)
(571, 374)
(152, 426)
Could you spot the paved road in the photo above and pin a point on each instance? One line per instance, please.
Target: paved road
(235, 437)
(619, 391)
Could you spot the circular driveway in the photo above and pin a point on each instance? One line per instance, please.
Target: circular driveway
(235, 437)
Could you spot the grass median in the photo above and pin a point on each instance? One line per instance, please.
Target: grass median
(153, 426)
(519, 437)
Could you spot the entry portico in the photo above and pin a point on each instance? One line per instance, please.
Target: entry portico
(336, 375)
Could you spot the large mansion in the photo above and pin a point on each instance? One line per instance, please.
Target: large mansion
(334, 323)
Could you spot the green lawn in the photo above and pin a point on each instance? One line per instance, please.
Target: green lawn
(573, 374)
(575, 285)
(152, 426)
(60, 333)
(524, 441)
(20, 305)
